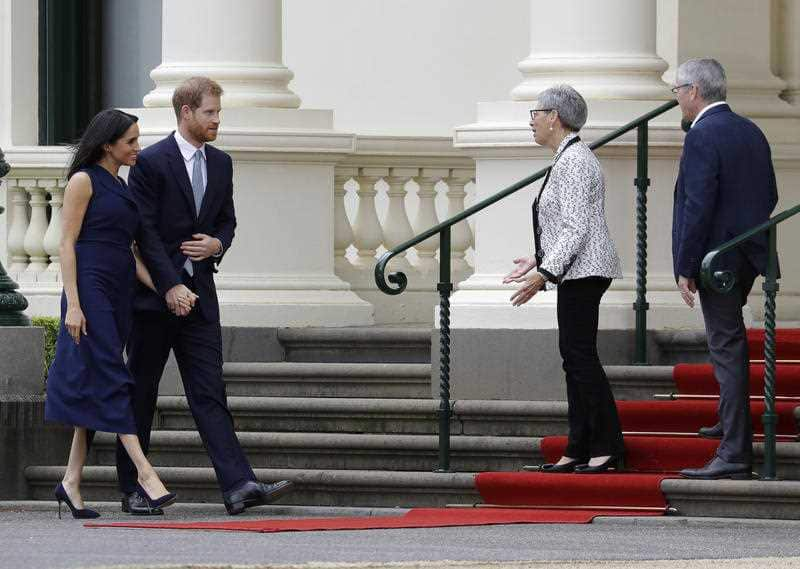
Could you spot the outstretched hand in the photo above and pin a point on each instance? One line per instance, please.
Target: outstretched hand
(527, 291)
(524, 266)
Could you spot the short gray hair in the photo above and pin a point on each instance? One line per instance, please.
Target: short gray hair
(708, 75)
(568, 102)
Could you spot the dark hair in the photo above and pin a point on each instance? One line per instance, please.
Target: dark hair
(191, 92)
(106, 127)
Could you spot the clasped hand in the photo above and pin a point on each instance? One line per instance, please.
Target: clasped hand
(201, 247)
(180, 300)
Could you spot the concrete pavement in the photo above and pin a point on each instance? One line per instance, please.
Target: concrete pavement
(33, 538)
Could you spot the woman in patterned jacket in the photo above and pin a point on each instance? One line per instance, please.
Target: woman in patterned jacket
(575, 253)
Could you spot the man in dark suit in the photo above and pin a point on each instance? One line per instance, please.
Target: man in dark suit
(726, 186)
(184, 190)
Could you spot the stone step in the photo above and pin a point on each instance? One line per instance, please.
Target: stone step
(753, 499)
(368, 344)
(336, 451)
(632, 382)
(388, 416)
(314, 379)
(354, 488)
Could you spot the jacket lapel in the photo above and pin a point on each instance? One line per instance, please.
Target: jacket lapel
(178, 166)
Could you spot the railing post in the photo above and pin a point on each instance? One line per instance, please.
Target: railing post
(770, 419)
(640, 306)
(445, 287)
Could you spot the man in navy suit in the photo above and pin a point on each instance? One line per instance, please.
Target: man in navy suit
(184, 190)
(726, 186)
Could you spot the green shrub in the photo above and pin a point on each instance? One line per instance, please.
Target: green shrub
(50, 326)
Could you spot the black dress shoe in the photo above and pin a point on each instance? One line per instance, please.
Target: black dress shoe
(254, 493)
(714, 432)
(554, 467)
(136, 505)
(613, 462)
(717, 469)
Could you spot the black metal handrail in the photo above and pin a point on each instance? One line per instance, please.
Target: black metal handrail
(724, 281)
(445, 287)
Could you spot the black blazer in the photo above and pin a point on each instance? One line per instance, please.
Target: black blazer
(726, 185)
(162, 190)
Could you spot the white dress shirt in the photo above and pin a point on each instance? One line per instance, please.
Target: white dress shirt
(704, 109)
(188, 151)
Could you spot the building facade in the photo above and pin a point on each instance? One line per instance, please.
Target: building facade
(356, 124)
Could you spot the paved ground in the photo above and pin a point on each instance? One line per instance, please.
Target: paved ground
(32, 538)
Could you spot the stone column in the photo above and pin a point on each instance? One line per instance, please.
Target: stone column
(18, 73)
(605, 50)
(239, 45)
(280, 269)
(786, 30)
(742, 40)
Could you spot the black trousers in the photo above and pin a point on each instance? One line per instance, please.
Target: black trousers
(594, 428)
(727, 346)
(198, 350)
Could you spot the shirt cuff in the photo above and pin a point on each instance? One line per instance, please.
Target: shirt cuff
(548, 275)
(221, 249)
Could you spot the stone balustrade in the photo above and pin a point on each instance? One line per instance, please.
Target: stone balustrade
(381, 200)
(380, 207)
(34, 226)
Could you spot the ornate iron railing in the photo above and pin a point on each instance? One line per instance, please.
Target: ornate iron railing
(445, 286)
(724, 281)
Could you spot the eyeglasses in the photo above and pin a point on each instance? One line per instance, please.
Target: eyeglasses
(677, 88)
(534, 111)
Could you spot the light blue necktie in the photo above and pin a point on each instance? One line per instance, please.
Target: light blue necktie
(198, 189)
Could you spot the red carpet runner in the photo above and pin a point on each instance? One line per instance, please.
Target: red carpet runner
(660, 439)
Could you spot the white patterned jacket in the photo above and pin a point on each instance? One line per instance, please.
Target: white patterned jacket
(573, 233)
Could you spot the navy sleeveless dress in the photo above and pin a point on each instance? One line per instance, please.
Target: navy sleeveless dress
(88, 384)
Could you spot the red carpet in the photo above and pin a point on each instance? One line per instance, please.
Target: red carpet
(416, 518)
(686, 417)
(698, 379)
(787, 343)
(650, 454)
(584, 491)
(670, 444)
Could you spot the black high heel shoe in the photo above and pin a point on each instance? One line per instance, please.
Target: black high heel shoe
(554, 467)
(613, 462)
(78, 514)
(162, 502)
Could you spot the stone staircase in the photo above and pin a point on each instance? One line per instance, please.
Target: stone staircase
(348, 416)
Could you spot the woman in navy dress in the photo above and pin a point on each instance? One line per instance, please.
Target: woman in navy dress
(88, 385)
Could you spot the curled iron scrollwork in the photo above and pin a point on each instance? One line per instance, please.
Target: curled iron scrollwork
(397, 278)
(718, 281)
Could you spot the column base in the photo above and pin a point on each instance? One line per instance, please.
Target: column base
(290, 300)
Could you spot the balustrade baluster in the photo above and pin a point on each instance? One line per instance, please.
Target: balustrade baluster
(426, 218)
(367, 232)
(18, 198)
(461, 234)
(342, 232)
(52, 237)
(396, 227)
(37, 227)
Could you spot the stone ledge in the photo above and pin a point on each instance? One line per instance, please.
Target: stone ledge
(734, 498)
